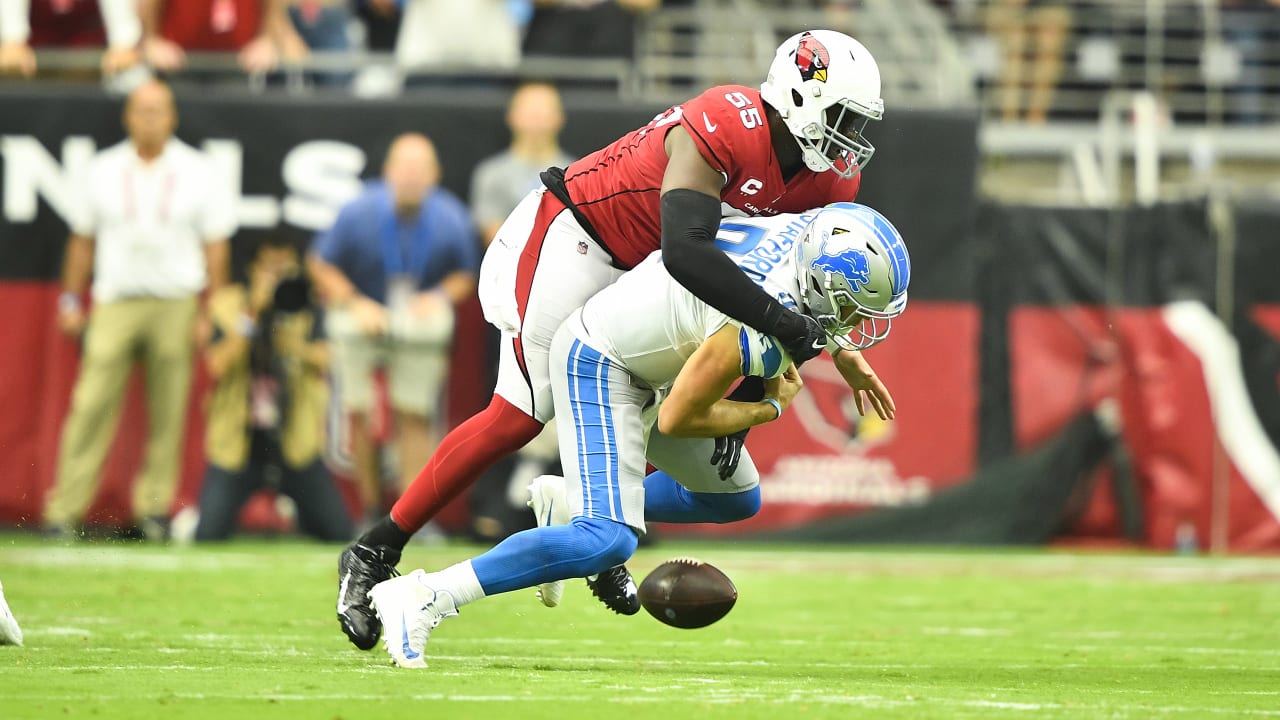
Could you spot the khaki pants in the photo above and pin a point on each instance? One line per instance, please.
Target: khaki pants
(158, 333)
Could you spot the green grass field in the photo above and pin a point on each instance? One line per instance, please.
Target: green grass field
(247, 631)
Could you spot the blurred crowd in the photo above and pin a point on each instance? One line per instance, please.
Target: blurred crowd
(363, 313)
(264, 34)
(1034, 60)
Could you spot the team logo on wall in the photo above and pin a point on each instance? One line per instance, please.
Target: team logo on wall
(812, 58)
(828, 414)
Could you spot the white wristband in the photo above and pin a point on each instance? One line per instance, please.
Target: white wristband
(776, 406)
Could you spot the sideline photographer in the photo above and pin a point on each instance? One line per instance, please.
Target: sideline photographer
(266, 412)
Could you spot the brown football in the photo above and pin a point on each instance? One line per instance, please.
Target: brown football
(687, 593)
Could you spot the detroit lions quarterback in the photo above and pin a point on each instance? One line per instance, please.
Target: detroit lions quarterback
(794, 142)
(639, 374)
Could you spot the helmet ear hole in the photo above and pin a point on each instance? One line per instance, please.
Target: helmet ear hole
(796, 97)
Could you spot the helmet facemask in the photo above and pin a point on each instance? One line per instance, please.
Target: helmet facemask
(848, 322)
(826, 87)
(839, 143)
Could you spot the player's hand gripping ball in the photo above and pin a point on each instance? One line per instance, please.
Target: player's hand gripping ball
(687, 593)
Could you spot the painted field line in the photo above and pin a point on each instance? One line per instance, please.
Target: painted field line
(576, 661)
(789, 698)
(857, 562)
(1171, 649)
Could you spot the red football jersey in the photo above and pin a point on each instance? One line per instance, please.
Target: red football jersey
(211, 24)
(617, 187)
(66, 23)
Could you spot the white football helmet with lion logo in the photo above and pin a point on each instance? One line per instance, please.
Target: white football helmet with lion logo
(853, 271)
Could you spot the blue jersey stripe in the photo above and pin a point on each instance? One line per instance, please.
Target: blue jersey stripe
(610, 444)
(597, 444)
(580, 427)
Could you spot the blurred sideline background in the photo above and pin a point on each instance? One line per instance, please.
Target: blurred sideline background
(1088, 190)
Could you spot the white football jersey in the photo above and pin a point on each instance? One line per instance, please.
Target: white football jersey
(650, 324)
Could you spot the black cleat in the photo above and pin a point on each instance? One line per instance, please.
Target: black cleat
(360, 567)
(617, 590)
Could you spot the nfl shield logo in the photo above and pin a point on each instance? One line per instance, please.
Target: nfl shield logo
(582, 247)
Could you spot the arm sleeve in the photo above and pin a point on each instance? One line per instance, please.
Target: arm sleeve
(689, 223)
(15, 21)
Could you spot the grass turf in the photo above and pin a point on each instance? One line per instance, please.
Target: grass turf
(247, 630)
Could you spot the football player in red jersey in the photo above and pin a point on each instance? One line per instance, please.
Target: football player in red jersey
(794, 144)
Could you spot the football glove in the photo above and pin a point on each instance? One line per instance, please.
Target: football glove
(728, 452)
(804, 338)
(729, 448)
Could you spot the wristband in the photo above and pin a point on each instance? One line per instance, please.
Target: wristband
(69, 302)
(776, 406)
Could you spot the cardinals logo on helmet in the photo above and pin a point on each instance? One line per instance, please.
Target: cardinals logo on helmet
(852, 264)
(812, 58)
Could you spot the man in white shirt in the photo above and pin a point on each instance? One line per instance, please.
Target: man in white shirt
(151, 226)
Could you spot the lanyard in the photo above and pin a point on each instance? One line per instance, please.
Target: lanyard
(395, 261)
(162, 203)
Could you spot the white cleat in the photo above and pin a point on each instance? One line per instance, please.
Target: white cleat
(10, 633)
(409, 609)
(551, 507)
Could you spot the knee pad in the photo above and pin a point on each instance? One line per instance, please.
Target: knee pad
(731, 507)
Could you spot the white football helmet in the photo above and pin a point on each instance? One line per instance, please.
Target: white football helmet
(826, 86)
(853, 270)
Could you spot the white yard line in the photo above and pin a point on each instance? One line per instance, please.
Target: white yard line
(729, 696)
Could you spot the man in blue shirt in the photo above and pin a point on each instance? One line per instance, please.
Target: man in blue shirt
(391, 268)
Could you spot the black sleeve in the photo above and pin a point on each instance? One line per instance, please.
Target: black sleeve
(690, 220)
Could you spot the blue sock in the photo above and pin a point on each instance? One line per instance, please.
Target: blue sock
(584, 547)
(666, 500)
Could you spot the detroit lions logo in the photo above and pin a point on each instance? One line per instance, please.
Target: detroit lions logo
(812, 58)
(852, 264)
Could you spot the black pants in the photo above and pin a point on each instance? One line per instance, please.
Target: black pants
(321, 512)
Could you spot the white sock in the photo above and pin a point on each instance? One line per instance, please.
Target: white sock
(459, 580)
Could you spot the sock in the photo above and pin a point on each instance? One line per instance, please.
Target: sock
(470, 449)
(666, 500)
(584, 547)
(386, 532)
(459, 581)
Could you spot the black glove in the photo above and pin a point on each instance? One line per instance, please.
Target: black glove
(803, 338)
(729, 448)
(727, 453)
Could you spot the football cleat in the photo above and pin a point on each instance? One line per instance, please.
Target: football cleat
(616, 589)
(550, 507)
(10, 633)
(360, 567)
(410, 609)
